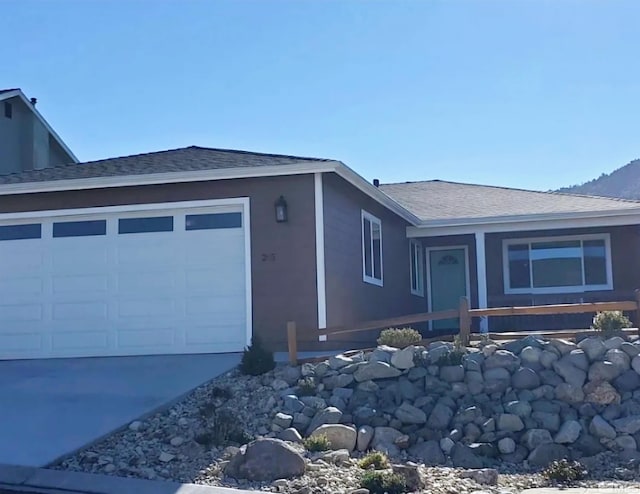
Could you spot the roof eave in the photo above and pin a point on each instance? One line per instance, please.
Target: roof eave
(165, 178)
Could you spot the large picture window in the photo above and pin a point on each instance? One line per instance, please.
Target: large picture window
(371, 249)
(556, 265)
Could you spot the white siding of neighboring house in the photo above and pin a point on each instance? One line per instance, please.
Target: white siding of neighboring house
(25, 142)
(12, 137)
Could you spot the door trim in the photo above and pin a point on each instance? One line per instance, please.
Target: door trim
(428, 251)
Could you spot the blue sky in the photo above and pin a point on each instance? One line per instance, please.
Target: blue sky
(532, 94)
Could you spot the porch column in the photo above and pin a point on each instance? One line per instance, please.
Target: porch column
(481, 275)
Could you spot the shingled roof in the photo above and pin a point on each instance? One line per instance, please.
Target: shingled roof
(192, 158)
(435, 200)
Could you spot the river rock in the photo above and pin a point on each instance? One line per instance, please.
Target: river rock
(428, 452)
(569, 432)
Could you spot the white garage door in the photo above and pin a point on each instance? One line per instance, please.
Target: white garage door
(124, 283)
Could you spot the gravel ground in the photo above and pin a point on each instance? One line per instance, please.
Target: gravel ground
(166, 446)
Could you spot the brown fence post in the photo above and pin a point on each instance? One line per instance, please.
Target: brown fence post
(292, 342)
(465, 322)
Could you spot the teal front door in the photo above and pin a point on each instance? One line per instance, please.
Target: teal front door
(447, 282)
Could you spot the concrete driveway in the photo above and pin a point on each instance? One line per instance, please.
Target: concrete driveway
(50, 408)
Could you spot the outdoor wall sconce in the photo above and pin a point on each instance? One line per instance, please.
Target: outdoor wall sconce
(281, 210)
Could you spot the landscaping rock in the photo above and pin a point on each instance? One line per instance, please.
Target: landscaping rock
(440, 417)
(403, 359)
(504, 359)
(339, 361)
(266, 460)
(593, 347)
(291, 435)
(601, 392)
(569, 393)
(463, 456)
(483, 476)
(525, 378)
(570, 373)
(533, 438)
(408, 414)
(365, 435)
(569, 432)
(330, 415)
(375, 370)
(509, 422)
(283, 420)
(603, 371)
(627, 381)
(411, 475)
(628, 425)
(340, 436)
(546, 453)
(600, 428)
(506, 445)
(428, 452)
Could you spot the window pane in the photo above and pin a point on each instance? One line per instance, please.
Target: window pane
(595, 262)
(213, 221)
(557, 264)
(519, 266)
(414, 267)
(377, 251)
(366, 224)
(20, 232)
(146, 225)
(80, 228)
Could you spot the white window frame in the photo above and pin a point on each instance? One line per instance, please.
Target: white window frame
(561, 289)
(371, 279)
(416, 269)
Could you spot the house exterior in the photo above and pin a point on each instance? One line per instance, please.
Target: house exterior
(191, 251)
(27, 141)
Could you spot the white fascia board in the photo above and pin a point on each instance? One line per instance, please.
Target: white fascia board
(541, 222)
(166, 178)
(375, 193)
(29, 105)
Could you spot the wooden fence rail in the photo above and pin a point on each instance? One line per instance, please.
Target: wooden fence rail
(465, 315)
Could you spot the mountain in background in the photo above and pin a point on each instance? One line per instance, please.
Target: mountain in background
(623, 182)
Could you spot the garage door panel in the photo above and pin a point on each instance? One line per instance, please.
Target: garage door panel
(221, 307)
(213, 335)
(80, 340)
(145, 254)
(146, 307)
(20, 312)
(71, 257)
(137, 282)
(160, 337)
(17, 287)
(73, 311)
(81, 284)
(125, 292)
(21, 343)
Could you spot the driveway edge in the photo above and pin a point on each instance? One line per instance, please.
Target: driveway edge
(25, 478)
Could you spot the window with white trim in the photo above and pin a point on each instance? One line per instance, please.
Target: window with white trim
(416, 258)
(371, 249)
(557, 264)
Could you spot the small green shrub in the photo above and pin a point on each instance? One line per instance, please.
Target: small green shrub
(256, 359)
(376, 460)
(399, 338)
(609, 323)
(221, 392)
(307, 386)
(221, 427)
(381, 482)
(565, 471)
(454, 357)
(317, 443)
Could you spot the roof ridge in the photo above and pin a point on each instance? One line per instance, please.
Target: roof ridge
(519, 189)
(259, 153)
